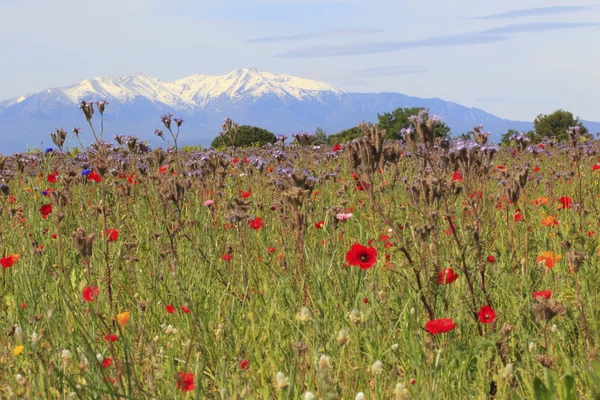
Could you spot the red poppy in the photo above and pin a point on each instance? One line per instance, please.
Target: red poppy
(542, 294)
(247, 194)
(163, 169)
(185, 309)
(9, 261)
(89, 293)
(440, 325)
(457, 177)
(107, 362)
(362, 185)
(94, 176)
(536, 169)
(491, 259)
(595, 167)
(590, 233)
(384, 238)
(361, 256)
(486, 315)
(46, 210)
(337, 147)
(185, 382)
(226, 257)
(256, 223)
(244, 364)
(51, 178)
(518, 217)
(170, 309)
(565, 202)
(112, 234)
(271, 249)
(447, 276)
(111, 338)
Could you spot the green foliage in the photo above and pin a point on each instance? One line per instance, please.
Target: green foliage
(246, 136)
(320, 136)
(191, 148)
(345, 136)
(507, 141)
(398, 119)
(555, 125)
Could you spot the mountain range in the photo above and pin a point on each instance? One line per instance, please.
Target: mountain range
(280, 103)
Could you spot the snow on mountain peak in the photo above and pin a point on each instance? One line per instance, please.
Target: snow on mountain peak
(197, 90)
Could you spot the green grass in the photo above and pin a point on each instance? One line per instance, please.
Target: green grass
(170, 253)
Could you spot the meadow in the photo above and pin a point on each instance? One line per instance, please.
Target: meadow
(422, 269)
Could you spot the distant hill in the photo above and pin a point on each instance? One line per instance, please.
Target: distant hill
(282, 104)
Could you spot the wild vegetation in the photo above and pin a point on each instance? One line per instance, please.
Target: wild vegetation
(421, 268)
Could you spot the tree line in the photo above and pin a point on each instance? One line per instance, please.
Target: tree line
(553, 126)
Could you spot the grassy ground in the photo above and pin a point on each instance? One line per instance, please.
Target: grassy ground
(195, 300)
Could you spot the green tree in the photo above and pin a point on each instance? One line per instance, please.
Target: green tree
(320, 136)
(398, 119)
(346, 135)
(246, 136)
(555, 125)
(506, 140)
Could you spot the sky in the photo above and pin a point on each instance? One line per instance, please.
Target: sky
(515, 59)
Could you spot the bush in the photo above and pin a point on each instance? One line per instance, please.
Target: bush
(246, 136)
(345, 136)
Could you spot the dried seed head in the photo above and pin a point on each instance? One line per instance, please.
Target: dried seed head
(546, 309)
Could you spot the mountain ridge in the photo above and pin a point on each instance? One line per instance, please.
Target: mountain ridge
(280, 103)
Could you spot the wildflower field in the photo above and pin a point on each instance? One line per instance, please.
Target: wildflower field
(425, 269)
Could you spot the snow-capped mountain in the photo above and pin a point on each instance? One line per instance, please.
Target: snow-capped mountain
(277, 102)
(193, 92)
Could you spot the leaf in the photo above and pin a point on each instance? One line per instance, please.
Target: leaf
(569, 390)
(540, 390)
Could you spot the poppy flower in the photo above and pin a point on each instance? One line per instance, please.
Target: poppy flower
(185, 309)
(486, 315)
(244, 364)
(319, 225)
(518, 217)
(163, 169)
(549, 221)
(170, 309)
(122, 318)
(457, 177)
(548, 259)
(491, 259)
(247, 194)
(595, 167)
(271, 249)
(111, 338)
(542, 294)
(112, 234)
(107, 362)
(89, 293)
(384, 238)
(94, 176)
(337, 147)
(9, 261)
(185, 382)
(536, 169)
(361, 256)
(51, 178)
(440, 325)
(226, 257)
(447, 276)
(565, 202)
(362, 185)
(256, 223)
(45, 210)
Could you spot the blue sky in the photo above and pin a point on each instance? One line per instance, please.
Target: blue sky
(515, 59)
